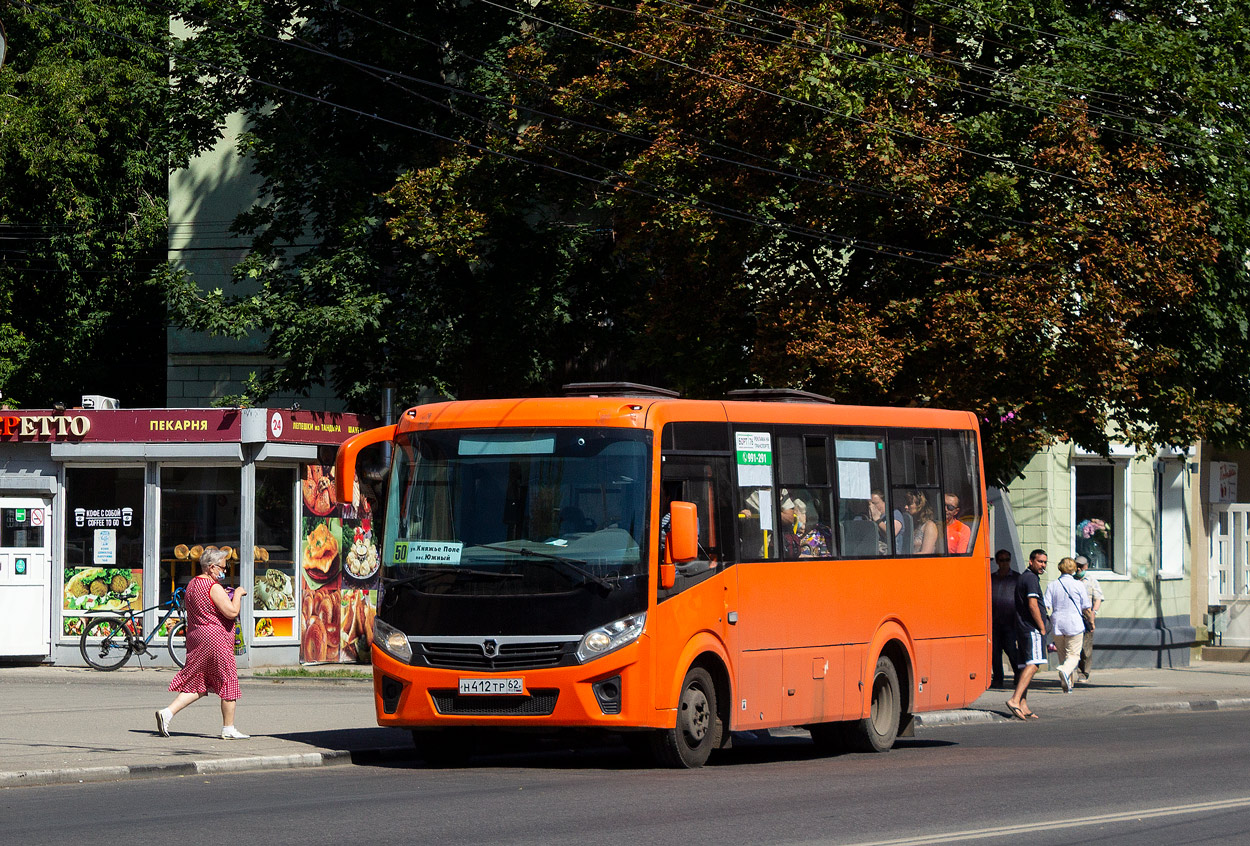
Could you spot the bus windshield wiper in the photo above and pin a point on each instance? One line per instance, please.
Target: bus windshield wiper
(432, 572)
(575, 564)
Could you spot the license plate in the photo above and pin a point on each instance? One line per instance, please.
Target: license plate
(492, 686)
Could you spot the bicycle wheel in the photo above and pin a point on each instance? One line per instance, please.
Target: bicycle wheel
(177, 642)
(105, 643)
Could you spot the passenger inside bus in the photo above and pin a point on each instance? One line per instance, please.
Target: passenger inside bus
(803, 535)
(900, 526)
(958, 535)
(925, 531)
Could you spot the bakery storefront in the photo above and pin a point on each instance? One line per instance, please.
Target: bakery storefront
(104, 510)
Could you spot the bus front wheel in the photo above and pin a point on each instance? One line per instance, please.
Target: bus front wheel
(689, 743)
(878, 731)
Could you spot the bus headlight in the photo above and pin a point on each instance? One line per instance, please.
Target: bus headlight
(611, 637)
(392, 641)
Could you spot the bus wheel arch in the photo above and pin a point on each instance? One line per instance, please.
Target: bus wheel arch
(887, 710)
(701, 723)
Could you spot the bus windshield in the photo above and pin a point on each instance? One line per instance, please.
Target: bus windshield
(510, 512)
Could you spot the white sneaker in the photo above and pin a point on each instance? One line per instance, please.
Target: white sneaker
(162, 723)
(1066, 681)
(232, 733)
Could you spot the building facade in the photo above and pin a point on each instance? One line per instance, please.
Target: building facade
(1135, 516)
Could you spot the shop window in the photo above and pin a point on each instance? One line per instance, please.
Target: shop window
(1098, 498)
(1173, 534)
(18, 530)
(200, 507)
(103, 542)
(273, 557)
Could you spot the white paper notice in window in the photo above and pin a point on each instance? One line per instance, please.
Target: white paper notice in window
(854, 480)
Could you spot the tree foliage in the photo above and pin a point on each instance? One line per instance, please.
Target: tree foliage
(1038, 213)
(84, 158)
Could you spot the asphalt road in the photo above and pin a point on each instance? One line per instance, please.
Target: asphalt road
(1154, 778)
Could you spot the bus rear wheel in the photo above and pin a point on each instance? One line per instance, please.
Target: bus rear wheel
(878, 731)
(689, 743)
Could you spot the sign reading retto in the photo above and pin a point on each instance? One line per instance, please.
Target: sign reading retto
(51, 426)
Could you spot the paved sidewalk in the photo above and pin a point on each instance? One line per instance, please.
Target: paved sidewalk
(62, 725)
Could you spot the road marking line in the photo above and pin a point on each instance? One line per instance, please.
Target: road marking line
(1053, 825)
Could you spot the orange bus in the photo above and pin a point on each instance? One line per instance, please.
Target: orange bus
(676, 570)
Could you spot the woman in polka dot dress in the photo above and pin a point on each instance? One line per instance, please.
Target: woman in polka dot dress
(210, 663)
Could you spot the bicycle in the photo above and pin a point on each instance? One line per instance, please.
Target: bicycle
(107, 642)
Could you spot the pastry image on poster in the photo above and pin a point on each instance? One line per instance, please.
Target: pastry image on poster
(356, 613)
(318, 490)
(319, 639)
(319, 556)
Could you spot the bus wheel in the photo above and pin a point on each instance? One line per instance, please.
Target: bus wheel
(444, 747)
(877, 732)
(688, 744)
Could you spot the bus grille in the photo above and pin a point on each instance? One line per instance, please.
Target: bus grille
(511, 656)
(540, 703)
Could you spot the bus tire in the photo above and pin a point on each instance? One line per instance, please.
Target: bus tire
(689, 743)
(878, 731)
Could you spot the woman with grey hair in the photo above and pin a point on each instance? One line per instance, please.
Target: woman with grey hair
(210, 666)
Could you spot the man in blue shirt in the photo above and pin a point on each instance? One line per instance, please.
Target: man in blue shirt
(1030, 629)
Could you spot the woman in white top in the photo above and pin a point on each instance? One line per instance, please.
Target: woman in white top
(1066, 599)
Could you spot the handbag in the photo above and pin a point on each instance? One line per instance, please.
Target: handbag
(1087, 614)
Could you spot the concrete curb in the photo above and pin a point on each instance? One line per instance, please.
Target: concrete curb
(958, 718)
(211, 766)
(1186, 705)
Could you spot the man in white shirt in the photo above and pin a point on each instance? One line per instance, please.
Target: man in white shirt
(1090, 583)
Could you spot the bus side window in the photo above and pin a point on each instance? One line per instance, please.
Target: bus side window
(705, 482)
(860, 474)
(961, 490)
(804, 507)
(915, 478)
(757, 523)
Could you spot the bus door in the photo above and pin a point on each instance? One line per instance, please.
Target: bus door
(790, 661)
(706, 589)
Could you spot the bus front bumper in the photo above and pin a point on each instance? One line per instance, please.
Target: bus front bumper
(611, 692)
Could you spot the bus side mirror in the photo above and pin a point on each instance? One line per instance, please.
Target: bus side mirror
(682, 543)
(345, 460)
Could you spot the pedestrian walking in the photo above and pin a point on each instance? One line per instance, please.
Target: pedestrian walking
(1030, 627)
(1089, 582)
(210, 663)
(1067, 604)
(1003, 585)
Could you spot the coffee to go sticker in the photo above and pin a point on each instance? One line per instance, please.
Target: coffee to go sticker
(427, 552)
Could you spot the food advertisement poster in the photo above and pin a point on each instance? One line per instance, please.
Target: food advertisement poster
(102, 589)
(338, 572)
